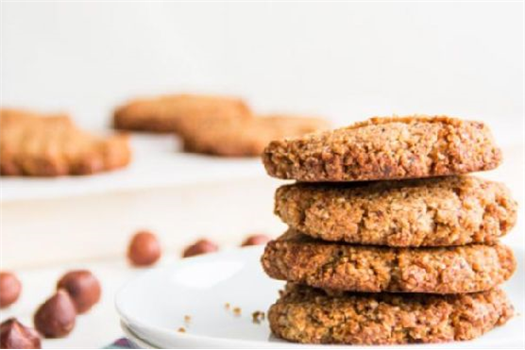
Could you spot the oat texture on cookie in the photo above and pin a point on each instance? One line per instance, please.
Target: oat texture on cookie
(390, 241)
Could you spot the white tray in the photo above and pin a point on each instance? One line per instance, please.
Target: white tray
(157, 162)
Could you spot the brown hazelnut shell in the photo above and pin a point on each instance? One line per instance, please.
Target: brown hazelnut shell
(144, 249)
(83, 288)
(10, 289)
(56, 317)
(14, 335)
(202, 246)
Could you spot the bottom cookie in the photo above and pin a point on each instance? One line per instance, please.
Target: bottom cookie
(308, 315)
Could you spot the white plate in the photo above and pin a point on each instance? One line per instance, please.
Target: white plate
(154, 305)
(136, 341)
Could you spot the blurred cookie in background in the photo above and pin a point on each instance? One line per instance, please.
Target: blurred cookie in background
(11, 117)
(175, 113)
(247, 138)
(34, 144)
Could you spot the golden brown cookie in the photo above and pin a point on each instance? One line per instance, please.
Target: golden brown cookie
(175, 113)
(454, 210)
(385, 148)
(247, 137)
(464, 269)
(308, 315)
(33, 144)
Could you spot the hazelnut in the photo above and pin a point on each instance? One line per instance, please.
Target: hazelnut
(144, 249)
(202, 246)
(256, 239)
(10, 288)
(83, 287)
(56, 317)
(14, 335)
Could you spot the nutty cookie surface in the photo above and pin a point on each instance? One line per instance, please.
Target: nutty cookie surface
(445, 211)
(51, 145)
(176, 113)
(247, 137)
(308, 315)
(385, 148)
(464, 269)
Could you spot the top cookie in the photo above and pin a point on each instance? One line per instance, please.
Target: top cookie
(247, 137)
(174, 113)
(32, 144)
(385, 148)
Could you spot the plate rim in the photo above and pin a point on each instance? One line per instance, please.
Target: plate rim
(188, 337)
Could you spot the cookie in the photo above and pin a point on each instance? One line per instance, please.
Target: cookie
(308, 315)
(455, 210)
(175, 113)
(51, 145)
(464, 269)
(385, 148)
(248, 137)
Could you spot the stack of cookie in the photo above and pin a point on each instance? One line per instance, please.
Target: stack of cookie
(388, 241)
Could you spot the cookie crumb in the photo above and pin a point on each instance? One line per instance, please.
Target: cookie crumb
(258, 317)
(237, 311)
(181, 330)
(187, 319)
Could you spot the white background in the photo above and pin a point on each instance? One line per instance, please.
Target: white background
(347, 61)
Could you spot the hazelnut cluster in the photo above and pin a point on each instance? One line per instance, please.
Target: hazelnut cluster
(79, 290)
(76, 292)
(144, 248)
